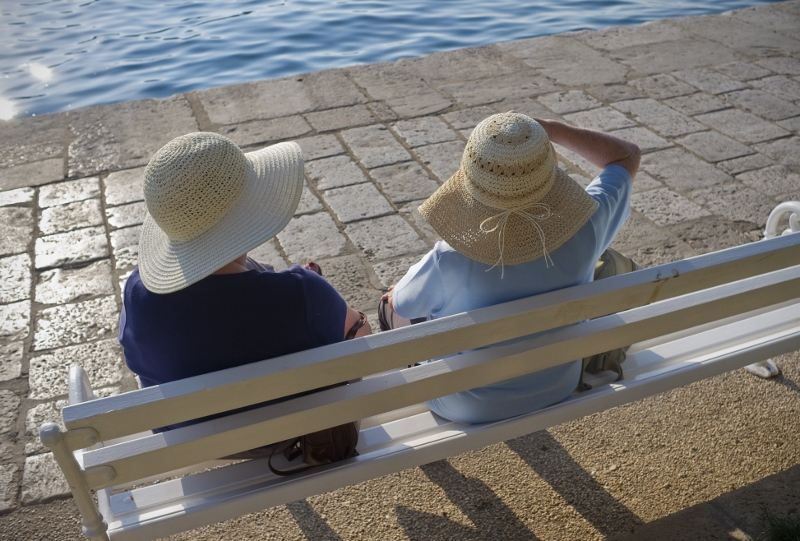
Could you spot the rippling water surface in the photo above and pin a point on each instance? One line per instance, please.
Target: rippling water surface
(64, 54)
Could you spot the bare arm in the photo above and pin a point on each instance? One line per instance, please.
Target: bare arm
(602, 149)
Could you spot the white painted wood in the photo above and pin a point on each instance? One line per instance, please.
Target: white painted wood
(253, 383)
(182, 447)
(691, 319)
(220, 494)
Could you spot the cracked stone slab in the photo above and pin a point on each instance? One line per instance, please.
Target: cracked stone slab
(261, 132)
(665, 207)
(309, 203)
(710, 81)
(382, 111)
(15, 278)
(32, 174)
(743, 71)
(772, 20)
(744, 127)
(375, 146)
(746, 163)
(763, 104)
(273, 98)
(404, 182)
(42, 480)
(125, 244)
(103, 362)
(696, 104)
(352, 203)
(785, 65)
(526, 106)
(9, 404)
(681, 171)
(20, 196)
(458, 65)
(468, 118)
(49, 412)
(785, 151)
(576, 160)
(567, 61)
(737, 35)
(424, 131)
(390, 272)
(340, 118)
(713, 146)
(70, 216)
(69, 191)
(269, 254)
(124, 187)
(320, 146)
(334, 172)
(569, 102)
(791, 124)
(410, 211)
(350, 277)
(662, 86)
(484, 91)
(312, 237)
(708, 234)
(59, 286)
(411, 105)
(644, 138)
(382, 238)
(8, 488)
(659, 117)
(10, 360)
(669, 56)
(603, 119)
(15, 320)
(26, 140)
(72, 247)
(737, 203)
(126, 215)
(622, 37)
(615, 93)
(442, 159)
(125, 135)
(74, 323)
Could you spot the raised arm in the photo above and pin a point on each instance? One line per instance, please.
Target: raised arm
(602, 149)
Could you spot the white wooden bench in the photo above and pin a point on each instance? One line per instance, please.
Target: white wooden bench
(688, 320)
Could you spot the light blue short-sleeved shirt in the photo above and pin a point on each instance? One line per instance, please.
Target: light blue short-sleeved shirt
(446, 282)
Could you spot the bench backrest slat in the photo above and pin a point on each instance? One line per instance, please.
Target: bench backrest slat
(185, 446)
(225, 390)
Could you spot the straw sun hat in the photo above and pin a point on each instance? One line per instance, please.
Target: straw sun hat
(508, 203)
(208, 203)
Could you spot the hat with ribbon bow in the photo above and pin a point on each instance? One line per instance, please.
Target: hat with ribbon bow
(508, 203)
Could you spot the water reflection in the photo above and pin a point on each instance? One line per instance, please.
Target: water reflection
(7, 109)
(40, 71)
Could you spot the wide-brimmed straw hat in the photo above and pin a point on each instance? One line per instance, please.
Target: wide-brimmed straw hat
(508, 203)
(208, 203)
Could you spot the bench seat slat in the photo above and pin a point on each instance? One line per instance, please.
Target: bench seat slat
(165, 404)
(181, 447)
(212, 496)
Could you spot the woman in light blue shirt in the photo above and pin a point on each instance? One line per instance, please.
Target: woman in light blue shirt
(515, 225)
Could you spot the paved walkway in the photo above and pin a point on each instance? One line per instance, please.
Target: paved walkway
(713, 101)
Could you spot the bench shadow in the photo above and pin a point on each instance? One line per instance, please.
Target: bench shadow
(491, 517)
(309, 521)
(548, 458)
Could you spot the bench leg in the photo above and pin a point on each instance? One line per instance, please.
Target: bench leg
(94, 527)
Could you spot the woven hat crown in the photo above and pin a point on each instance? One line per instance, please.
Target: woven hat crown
(509, 161)
(192, 182)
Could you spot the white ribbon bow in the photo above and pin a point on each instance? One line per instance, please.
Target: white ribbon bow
(501, 220)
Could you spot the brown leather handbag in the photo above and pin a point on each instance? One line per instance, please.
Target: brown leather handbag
(324, 446)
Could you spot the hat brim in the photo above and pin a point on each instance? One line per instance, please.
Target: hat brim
(456, 216)
(270, 197)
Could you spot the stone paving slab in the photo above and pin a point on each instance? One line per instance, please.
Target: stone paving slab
(714, 103)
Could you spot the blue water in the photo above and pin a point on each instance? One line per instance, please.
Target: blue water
(64, 54)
